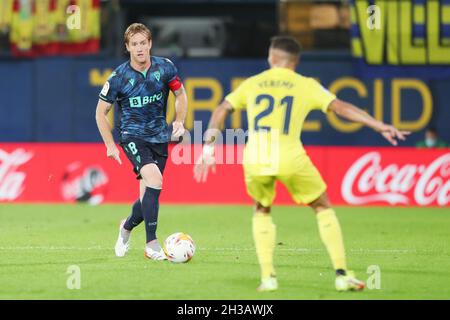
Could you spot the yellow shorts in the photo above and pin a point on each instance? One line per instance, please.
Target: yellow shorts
(305, 184)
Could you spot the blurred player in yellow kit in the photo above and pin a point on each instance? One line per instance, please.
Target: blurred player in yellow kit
(277, 102)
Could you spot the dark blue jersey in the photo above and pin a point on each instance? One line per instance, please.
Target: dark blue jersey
(142, 98)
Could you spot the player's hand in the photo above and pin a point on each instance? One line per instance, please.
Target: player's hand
(178, 130)
(392, 134)
(113, 153)
(206, 162)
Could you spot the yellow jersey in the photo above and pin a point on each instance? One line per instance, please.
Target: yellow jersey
(277, 102)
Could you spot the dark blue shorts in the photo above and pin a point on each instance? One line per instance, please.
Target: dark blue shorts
(141, 152)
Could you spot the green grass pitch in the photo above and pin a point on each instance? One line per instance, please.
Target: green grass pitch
(411, 247)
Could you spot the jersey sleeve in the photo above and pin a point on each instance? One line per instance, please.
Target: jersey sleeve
(173, 79)
(320, 97)
(110, 89)
(238, 97)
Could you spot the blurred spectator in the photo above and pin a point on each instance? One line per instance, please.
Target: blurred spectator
(432, 140)
(112, 28)
(330, 21)
(317, 24)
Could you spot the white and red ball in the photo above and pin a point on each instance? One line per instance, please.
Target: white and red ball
(179, 247)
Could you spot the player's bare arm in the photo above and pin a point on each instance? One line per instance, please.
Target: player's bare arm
(352, 113)
(217, 121)
(101, 117)
(181, 106)
(207, 160)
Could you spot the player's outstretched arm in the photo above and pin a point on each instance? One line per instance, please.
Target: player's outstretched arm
(101, 117)
(217, 122)
(352, 113)
(181, 106)
(207, 160)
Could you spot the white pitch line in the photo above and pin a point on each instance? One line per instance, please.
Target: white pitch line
(306, 250)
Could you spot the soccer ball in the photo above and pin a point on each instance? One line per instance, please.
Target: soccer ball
(179, 247)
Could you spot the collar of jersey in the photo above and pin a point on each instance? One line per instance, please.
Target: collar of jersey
(143, 73)
(281, 69)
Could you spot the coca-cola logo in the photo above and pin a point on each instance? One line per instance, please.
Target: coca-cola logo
(12, 180)
(84, 183)
(367, 181)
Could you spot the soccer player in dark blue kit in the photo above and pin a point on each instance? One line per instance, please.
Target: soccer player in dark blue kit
(141, 87)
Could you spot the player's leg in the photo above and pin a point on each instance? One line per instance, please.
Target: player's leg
(135, 218)
(330, 232)
(148, 161)
(262, 190)
(152, 178)
(307, 186)
(264, 235)
(331, 235)
(125, 227)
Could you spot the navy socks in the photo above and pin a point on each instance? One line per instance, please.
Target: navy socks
(135, 217)
(150, 208)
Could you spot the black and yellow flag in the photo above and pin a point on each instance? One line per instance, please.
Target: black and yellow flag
(83, 36)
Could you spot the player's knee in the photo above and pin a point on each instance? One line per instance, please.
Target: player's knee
(152, 176)
(154, 182)
(259, 208)
(321, 203)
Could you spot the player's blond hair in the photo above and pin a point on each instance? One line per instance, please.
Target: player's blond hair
(134, 29)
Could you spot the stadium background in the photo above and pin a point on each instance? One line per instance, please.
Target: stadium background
(392, 202)
(51, 76)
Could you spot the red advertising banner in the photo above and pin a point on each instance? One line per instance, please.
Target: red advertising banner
(53, 172)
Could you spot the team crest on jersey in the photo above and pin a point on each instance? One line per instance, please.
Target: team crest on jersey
(157, 75)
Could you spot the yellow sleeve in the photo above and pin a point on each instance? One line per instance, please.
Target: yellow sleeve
(238, 98)
(319, 96)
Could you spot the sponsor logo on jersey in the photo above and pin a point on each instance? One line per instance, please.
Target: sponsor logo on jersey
(139, 102)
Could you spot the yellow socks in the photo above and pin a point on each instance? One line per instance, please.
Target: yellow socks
(330, 233)
(264, 232)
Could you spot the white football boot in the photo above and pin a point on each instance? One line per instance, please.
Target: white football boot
(348, 282)
(122, 243)
(268, 284)
(155, 255)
